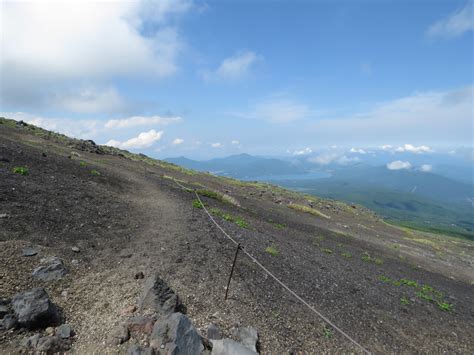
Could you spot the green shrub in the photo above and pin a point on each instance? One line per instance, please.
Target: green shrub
(82, 164)
(326, 250)
(444, 306)
(95, 172)
(241, 223)
(197, 204)
(272, 251)
(21, 170)
(346, 255)
(404, 301)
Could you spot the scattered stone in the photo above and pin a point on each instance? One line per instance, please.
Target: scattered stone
(31, 342)
(4, 160)
(119, 335)
(74, 262)
(229, 347)
(3, 310)
(158, 297)
(139, 275)
(140, 350)
(75, 249)
(38, 344)
(213, 332)
(3, 215)
(21, 124)
(141, 324)
(64, 294)
(129, 310)
(43, 155)
(29, 251)
(248, 337)
(175, 334)
(34, 309)
(64, 331)
(49, 331)
(8, 322)
(52, 268)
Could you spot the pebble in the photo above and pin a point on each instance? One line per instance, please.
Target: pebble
(29, 251)
(75, 249)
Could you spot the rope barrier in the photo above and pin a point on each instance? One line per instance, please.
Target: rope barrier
(335, 327)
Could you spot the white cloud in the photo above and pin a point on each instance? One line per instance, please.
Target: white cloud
(386, 147)
(177, 141)
(235, 67)
(440, 116)
(89, 100)
(398, 165)
(85, 129)
(235, 142)
(358, 151)
(426, 168)
(49, 47)
(278, 109)
(217, 145)
(455, 25)
(136, 121)
(304, 151)
(143, 140)
(332, 157)
(414, 149)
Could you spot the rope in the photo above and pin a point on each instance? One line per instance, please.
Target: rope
(348, 337)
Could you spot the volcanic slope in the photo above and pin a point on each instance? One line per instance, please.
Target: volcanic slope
(391, 289)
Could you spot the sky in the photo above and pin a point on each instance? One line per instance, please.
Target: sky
(205, 79)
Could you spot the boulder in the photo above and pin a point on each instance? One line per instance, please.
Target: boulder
(158, 297)
(34, 309)
(175, 334)
(29, 251)
(51, 268)
(229, 347)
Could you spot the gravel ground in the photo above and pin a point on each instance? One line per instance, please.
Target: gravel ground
(133, 217)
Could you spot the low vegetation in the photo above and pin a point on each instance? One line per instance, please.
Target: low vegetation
(346, 255)
(272, 251)
(21, 170)
(82, 164)
(327, 251)
(369, 259)
(423, 292)
(307, 209)
(227, 216)
(197, 204)
(95, 172)
(218, 196)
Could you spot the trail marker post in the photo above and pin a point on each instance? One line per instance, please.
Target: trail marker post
(232, 271)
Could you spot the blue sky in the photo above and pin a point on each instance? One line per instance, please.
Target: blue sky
(212, 78)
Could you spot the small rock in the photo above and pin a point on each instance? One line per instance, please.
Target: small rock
(129, 310)
(140, 350)
(229, 347)
(213, 332)
(49, 331)
(34, 309)
(141, 324)
(75, 249)
(3, 310)
(31, 342)
(158, 297)
(74, 262)
(29, 252)
(139, 275)
(52, 268)
(9, 321)
(64, 331)
(64, 294)
(248, 337)
(119, 335)
(3, 215)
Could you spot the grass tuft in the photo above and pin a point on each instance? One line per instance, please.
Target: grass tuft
(272, 251)
(197, 204)
(95, 172)
(307, 209)
(21, 170)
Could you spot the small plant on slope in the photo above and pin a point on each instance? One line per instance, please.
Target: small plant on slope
(272, 251)
(20, 170)
(197, 204)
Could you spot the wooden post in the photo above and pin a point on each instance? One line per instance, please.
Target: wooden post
(232, 271)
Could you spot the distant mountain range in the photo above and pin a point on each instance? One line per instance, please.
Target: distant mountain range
(411, 197)
(242, 166)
